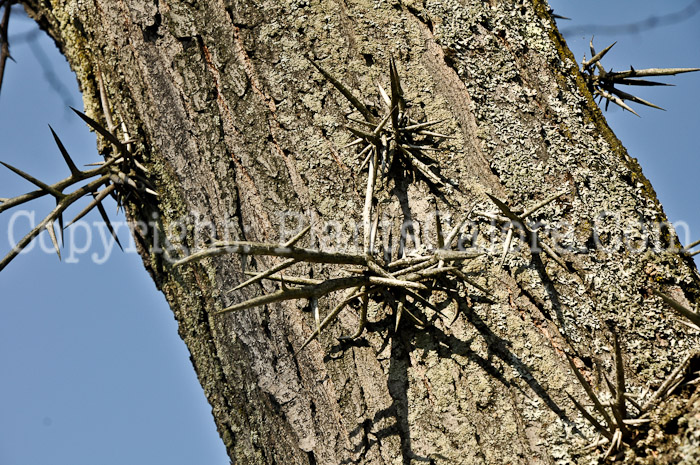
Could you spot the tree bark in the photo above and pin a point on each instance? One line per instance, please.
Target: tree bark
(240, 132)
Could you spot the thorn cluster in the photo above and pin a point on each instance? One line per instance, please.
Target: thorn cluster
(602, 83)
(370, 276)
(405, 140)
(619, 426)
(119, 175)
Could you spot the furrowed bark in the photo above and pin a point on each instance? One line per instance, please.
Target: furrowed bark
(240, 130)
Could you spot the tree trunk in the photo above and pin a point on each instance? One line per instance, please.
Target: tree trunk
(241, 134)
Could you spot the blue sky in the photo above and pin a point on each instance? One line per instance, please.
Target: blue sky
(664, 142)
(93, 370)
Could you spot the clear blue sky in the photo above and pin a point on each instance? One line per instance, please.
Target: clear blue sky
(93, 371)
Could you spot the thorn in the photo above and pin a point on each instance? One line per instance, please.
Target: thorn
(60, 207)
(101, 130)
(590, 418)
(71, 166)
(45, 187)
(417, 321)
(288, 279)
(384, 95)
(129, 181)
(353, 270)
(419, 126)
(375, 226)
(620, 379)
(317, 316)
(593, 446)
(680, 308)
(383, 122)
(678, 372)
(258, 248)
(639, 82)
(460, 274)
(391, 282)
(366, 160)
(650, 72)
(438, 227)
(633, 402)
(60, 225)
(306, 292)
(453, 233)
(397, 99)
(685, 249)
(422, 265)
(369, 137)
(396, 94)
(593, 52)
(589, 391)
(266, 274)
(556, 16)
(611, 388)
(614, 99)
(421, 167)
(103, 100)
(351, 295)
(344, 90)
(105, 218)
(614, 444)
(399, 312)
(297, 237)
(363, 316)
(434, 134)
(359, 121)
(408, 261)
(637, 421)
(52, 234)
(505, 210)
(139, 165)
(353, 143)
(550, 252)
(625, 96)
(456, 315)
(98, 198)
(369, 196)
(128, 141)
(533, 238)
(542, 204)
(506, 244)
(421, 147)
(419, 298)
(282, 283)
(597, 57)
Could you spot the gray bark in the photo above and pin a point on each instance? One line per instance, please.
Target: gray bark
(237, 127)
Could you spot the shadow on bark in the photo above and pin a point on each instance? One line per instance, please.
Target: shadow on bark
(405, 341)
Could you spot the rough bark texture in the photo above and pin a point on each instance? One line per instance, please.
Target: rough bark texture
(237, 127)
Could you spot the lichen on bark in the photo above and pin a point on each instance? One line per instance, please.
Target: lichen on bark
(237, 127)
